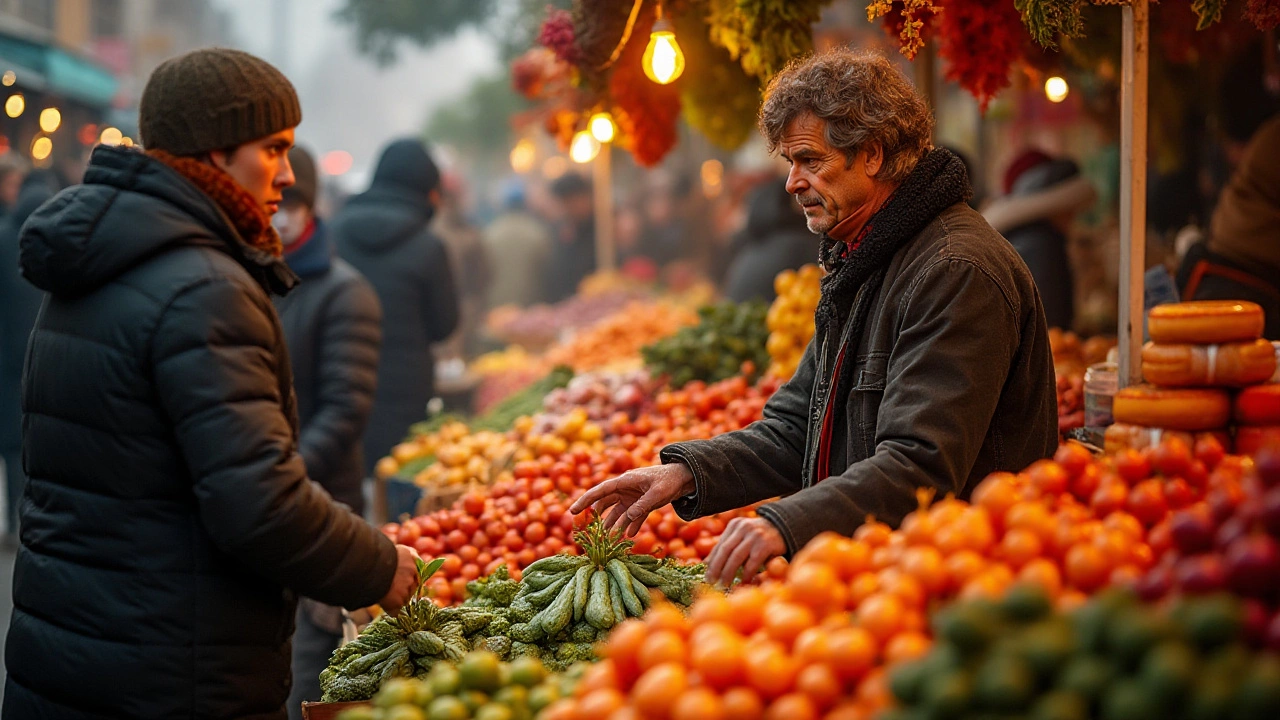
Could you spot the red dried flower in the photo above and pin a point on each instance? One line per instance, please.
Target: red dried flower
(557, 34)
(1264, 14)
(980, 41)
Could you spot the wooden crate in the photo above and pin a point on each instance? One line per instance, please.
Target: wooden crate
(328, 711)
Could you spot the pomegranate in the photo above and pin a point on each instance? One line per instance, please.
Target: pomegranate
(1193, 530)
(1269, 511)
(1267, 463)
(1253, 565)
(1201, 574)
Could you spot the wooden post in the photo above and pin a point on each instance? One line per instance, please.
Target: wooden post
(603, 185)
(1133, 187)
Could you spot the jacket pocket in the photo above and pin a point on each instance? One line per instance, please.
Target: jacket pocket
(864, 405)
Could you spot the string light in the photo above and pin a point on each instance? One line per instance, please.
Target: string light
(41, 148)
(14, 106)
(1056, 89)
(584, 147)
(523, 156)
(50, 120)
(663, 59)
(111, 136)
(602, 127)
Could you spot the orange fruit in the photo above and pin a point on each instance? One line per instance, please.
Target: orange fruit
(851, 651)
(908, 589)
(770, 670)
(925, 564)
(599, 675)
(821, 684)
(657, 689)
(663, 646)
(564, 709)
(599, 704)
(874, 691)
(1043, 573)
(812, 646)
(963, 566)
(847, 711)
(818, 586)
(971, 531)
(793, 706)
(997, 493)
(709, 607)
(626, 712)
(698, 704)
(873, 533)
(1034, 516)
(746, 605)
(1020, 546)
(1086, 567)
(743, 703)
(719, 660)
(864, 585)
(886, 556)
(907, 646)
(785, 621)
(881, 615)
(918, 528)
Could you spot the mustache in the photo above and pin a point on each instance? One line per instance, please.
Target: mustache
(808, 200)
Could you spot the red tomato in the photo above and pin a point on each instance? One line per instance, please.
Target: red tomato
(409, 533)
(448, 521)
(470, 571)
(512, 541)
(468, 553)
(704, 545)
(456, 539)
(427, 546)
(525, 557)
(469, 524)
(495, 530)
(452, 564)
(473, 503)
(690, 531)
(479, 539)
(535, 533)
(542, 486)
(428, 525)
(644, 543)
(666, 530)
(484, 558)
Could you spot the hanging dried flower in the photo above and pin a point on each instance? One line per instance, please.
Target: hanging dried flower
(764, 34)
(557, 34)
(906, 18)
(980, 42)
(720, 100)
(1264, 14)
(647, 113)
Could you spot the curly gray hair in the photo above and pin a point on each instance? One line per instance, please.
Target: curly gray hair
(862, 98)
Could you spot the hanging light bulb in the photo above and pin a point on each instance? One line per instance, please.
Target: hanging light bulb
(584, 147)
(1056, 89)
(602, 127)
(663, 61)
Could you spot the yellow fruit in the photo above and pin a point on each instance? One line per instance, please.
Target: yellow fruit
(386, 467)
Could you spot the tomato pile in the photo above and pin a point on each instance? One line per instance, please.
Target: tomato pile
(525, 517)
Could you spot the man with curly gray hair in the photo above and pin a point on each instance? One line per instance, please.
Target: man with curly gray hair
(930, 367)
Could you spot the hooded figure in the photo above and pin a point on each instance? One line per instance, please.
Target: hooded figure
(1042, 197)
(383, 234)
(774, 239)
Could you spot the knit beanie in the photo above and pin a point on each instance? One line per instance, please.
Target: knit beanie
(406, 163)
(215, 99)
(303, 189)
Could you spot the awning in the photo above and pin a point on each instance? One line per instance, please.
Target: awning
(48, 68)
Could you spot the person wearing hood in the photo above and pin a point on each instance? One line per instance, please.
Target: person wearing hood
(332, 329)
(774, 239)
(1042, 197)
(384, 234)
(19, 304)
(168, 525)
(574, 255)
(1241, 260)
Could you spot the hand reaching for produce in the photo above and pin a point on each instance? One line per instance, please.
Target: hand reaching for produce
(747, 544)
(404, 583)
(636, 493)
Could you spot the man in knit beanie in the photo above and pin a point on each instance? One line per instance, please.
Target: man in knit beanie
(169, 525)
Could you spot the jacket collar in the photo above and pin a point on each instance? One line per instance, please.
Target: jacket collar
(314, 256)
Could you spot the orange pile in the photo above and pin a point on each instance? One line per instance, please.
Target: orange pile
(617, 339)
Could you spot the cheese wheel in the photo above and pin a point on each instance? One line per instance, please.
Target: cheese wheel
(1250, 439)
(1174, 409)
(1259, 405)
(1203, 322)
(1122, 436)
(1230, 365)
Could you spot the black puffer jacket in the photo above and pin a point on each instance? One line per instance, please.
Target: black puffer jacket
(332, 324)
(383, 234)
(774, 239)
(168, 521)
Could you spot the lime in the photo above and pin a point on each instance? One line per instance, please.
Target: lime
(1047, 646)
(1087, 676)
(1231, 661)
(542, 696)
(908, 680)
(404, 712)
(1128, 700)
(494, 711)
(1025, 602)
(1210, 699)
(481, 670)
(396, 691)
(1258, 697)
(527, 671)
(512, 696)
(423, 695)
(947, 696)
(1060, 705)
(967, 627)
(473, 699)
(1168, 670)
(1132, 633)
(444, 680)
(447, 708)
(1004, 683)
(1214, 621)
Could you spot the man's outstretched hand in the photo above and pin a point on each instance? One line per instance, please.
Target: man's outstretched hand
(635, 494)
(747, 543)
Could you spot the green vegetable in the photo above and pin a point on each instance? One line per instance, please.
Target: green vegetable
(543, 597)
(599, 610)
(559, 613)
(622, 583)
(555, 564)
(361, 665)
(581, 590)
(645, 576)
(615, 602)
(425, 642)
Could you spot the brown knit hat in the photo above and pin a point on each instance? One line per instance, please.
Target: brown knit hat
(214, 99)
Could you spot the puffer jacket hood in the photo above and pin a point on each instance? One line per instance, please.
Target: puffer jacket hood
(63, 253)
(384, 217)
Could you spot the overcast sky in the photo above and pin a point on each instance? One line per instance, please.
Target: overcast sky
(348, 102)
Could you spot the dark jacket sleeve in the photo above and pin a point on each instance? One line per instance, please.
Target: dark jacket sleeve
(441, 294)
(763, 460)
(347, 375)
(213, 354)
(943, 382)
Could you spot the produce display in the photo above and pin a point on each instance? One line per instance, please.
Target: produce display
(790, 318)
(1112, 658)
(479, 687)
(729, 338)
(541, 325)
(602, 395)
(1257, 417)
(1071, 357)
(616, 341)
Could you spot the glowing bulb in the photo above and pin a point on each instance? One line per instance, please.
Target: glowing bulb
(663, 61)
(602, 128)
(111, 136)
(41, 148)
(523, 156)
(1055, 88)
(50, 119)
(10, 77)
(14, 106)
(584, 147)
(126, 142)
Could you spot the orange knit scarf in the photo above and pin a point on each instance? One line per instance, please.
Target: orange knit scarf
(250, 220)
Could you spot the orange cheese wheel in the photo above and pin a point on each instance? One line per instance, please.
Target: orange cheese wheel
(1259, 405)
(1175, 409)
(1230, 365)
(1251, 439)
(1122, 436)
(1203, 322)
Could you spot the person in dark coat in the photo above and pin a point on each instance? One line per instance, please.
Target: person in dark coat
(773, 240)
(573, 256)
(19, 304)
(168, 524)
(1042, 197)
(332, 328)
(931, 365)
(383, 233)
